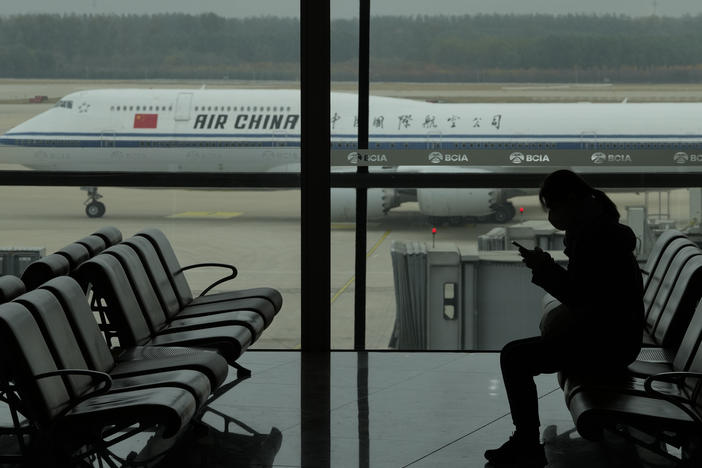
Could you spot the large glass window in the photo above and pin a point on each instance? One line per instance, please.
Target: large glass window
(485, 90)
(104, 88)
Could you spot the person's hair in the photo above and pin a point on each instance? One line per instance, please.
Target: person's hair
(561, 184)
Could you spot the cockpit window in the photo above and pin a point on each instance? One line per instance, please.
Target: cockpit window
(66, 104)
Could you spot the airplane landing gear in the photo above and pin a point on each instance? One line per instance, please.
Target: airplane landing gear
(93, 208)
(504, 212)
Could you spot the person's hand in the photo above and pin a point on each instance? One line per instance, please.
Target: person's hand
(534, 259)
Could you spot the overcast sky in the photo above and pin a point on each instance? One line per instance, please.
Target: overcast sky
(348, 8)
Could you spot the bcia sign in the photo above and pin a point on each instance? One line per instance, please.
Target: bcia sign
(600, 158)
(683, 158)
(518, 158)
(435, 157)
(355, 158)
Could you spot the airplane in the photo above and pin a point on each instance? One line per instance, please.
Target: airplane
(230, 130)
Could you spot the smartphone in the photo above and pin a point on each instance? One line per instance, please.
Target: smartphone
(519, 246)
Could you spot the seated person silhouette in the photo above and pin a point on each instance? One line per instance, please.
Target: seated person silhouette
(596, 331)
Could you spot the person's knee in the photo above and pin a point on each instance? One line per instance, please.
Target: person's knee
(511, 354)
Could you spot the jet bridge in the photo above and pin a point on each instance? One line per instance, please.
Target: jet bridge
(451, 300)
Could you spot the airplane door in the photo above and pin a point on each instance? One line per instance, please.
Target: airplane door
(183, 103)
(588, 141)
(282, 147)
(107, 139)
(434, 140)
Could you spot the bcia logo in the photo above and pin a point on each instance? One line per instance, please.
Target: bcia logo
(435, 157)
(518, 158)
(682, 158)
(601, 158)
(355, 158)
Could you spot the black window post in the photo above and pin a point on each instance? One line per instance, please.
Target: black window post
(315, 181)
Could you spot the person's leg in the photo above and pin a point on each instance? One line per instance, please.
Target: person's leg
(520, 361)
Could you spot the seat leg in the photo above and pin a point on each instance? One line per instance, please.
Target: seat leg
(241, 371)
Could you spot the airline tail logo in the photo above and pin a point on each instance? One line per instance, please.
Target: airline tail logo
(145, 120)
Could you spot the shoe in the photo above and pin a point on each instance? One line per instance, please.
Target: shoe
(517, 453)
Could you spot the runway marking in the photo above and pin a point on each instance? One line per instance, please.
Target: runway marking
(206, 214)
(349, 226)
(353, 278)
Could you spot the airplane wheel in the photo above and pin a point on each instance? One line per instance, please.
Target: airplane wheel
(503, 214)
(95, 209)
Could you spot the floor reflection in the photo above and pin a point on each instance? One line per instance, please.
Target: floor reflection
(382, 409)
(235, 445)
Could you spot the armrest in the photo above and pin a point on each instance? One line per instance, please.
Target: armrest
(676, 378)
(210, 264)
(102, 377)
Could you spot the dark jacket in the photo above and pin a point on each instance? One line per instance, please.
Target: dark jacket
(602, 287)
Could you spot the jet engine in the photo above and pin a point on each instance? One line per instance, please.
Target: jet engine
(343, 203)
(438, 203)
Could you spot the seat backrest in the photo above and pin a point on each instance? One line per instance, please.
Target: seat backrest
(75, 253)
(661, 270)
(10, 287)
(659, 247)
(141, 285)
(170, 263)
(94, 244)
(676, 279)
(690, 343)
(44, 269)
(59, 337)
(696, 388)
(25, 355)
(110, 283)
(157, 274)
(83, 324)
(110, 234)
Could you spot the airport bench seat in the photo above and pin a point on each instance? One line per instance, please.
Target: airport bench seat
(42, 270)
(182, 288)
(667, 408)
(130, 361)
(168, 297)
(659, 394)
(77, 408)
(136, 326)
(10, 287)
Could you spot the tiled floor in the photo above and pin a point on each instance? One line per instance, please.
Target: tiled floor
(382, 409)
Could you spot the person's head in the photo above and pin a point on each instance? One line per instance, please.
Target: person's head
(567, 197)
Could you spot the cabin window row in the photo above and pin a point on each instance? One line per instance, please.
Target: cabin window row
(241, 109)
(142, 108)
(205, 144)
(531, 146)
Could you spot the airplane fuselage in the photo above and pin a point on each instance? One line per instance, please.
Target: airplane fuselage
(259, 130)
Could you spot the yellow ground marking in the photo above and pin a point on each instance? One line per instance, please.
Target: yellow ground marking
(207, 214)
(353, 278)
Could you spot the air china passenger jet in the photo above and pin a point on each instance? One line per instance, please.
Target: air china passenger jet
(259, 131)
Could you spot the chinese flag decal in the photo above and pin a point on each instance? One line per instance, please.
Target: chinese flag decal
(145, 120)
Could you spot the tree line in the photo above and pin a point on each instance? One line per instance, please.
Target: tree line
(547, 48)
